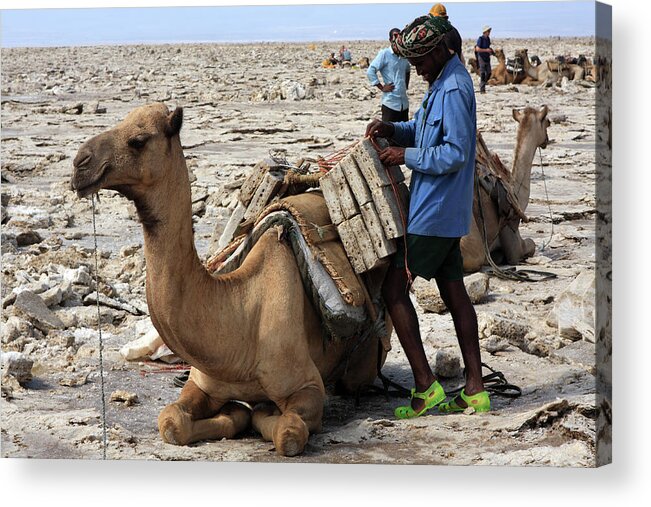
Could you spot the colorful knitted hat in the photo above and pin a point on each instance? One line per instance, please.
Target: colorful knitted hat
(421, 36)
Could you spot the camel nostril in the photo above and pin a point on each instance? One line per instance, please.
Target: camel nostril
(81, 159)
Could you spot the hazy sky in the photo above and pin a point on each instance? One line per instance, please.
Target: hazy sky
(89, 26)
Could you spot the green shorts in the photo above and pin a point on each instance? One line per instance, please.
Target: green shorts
(431, 257)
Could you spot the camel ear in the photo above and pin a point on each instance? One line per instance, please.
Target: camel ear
(542, 112)
(517, 115)
(174, 122)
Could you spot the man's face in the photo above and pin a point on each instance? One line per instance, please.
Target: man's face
(429, 66)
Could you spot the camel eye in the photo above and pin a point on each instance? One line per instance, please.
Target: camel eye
(138, 142)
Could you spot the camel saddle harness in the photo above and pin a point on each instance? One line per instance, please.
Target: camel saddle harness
(339, 296)
(495, 179)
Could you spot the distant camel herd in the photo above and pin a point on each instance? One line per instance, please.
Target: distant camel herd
(522, 69)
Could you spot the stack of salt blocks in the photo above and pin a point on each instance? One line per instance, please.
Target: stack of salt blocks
(368, 203)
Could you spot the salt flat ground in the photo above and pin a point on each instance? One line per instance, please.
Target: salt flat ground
(234, 116)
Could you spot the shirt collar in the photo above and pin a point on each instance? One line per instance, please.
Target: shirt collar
(443, 73)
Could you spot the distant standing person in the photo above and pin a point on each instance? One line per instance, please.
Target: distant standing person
(395, 74)
(453, 37)
(483, 52)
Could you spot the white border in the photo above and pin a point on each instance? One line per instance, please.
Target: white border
(70, 483)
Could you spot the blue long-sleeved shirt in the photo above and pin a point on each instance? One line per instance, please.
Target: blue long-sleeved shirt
(441, 140)
(393, 69)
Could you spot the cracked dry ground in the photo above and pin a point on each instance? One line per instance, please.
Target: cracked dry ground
(233, 116)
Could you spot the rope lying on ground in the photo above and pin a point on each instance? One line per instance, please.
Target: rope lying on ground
(495, 383)
(512, 273)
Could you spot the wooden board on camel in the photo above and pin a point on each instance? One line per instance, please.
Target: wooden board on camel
(267, 189)
(382, 245)
(364, 243)
(253, 181)
(231, 226)
(390, 212)
(356, 180)
(329, 190)
(349, 241)
(375, 172)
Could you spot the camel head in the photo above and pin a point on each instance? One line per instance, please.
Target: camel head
(533, 124)
(524, 55)
(499, 54)
(130, 157)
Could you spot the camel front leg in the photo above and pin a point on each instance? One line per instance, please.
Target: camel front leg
(196, 416)
(472, 249)
(288, 424)
(514, 247)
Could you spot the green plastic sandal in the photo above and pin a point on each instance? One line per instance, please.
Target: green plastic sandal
(480, 402)
(432, 397)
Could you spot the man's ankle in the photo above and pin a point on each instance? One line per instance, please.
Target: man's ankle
(473, 388)
(422, 387)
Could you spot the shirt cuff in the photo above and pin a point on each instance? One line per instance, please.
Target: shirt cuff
(411, 158)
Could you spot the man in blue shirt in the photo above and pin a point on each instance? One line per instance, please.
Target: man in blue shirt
(438, 145)
(395, 73)
(483, 52)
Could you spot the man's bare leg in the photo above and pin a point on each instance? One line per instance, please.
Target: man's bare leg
(463, 313)
(405, 322)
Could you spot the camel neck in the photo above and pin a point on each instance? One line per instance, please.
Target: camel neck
(528, 69)
(525, 151)
(177, 282)
(166, 215)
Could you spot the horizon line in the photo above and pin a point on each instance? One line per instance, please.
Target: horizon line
(268, 41)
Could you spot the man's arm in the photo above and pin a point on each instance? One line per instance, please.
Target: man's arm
(404, 132)
(479, 49)
(374, 68)
(453, 153)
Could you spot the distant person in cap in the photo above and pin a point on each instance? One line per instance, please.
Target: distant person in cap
(453, 37)
(483, 52)
(438, 146)
(395, 74)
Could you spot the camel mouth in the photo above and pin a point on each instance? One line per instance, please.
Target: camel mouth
(544, 144)
(84, 187)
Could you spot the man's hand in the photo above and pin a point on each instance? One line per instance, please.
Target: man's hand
(379, 128)
(392, 156)
(388, 87)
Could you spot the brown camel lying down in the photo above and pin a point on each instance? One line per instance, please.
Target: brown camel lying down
(502, 232)
(250, 335)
